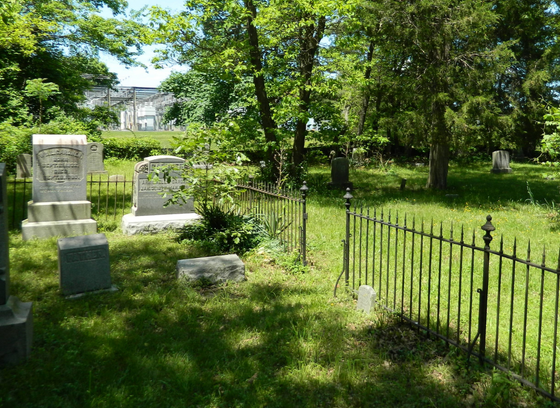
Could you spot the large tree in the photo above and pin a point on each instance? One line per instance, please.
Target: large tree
(274, 43)
(60, 42)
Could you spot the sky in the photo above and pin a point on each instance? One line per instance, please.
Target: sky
(137, 76)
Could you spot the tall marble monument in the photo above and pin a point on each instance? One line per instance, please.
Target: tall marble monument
(16, 318)
(59, 206)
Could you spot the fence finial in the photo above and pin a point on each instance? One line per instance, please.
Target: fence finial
(348, 197)
(488, 227)
(304, 189)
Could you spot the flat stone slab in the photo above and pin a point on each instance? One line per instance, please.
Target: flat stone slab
(58, 211)
(153, 224)
(214, 269)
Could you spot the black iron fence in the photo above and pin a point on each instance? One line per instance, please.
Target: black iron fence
(110, 197)
(501, 307)
(282, 211)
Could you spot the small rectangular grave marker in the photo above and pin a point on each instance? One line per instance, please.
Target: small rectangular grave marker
(83, 264)
(95, 158)
(24, 166)
(366, 298)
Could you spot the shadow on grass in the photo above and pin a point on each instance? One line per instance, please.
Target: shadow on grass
(466, 184)
(271, 341)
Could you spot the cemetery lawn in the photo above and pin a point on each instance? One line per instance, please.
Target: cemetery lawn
(280, 339)
(164, 137)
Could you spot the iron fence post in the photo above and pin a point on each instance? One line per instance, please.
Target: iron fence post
(347, 197)
(483, 308)
(304, 190)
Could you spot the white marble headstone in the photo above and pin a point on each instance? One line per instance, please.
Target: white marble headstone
(366, 298)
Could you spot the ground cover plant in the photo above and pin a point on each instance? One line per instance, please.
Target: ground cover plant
(164, 137)
(279, 339)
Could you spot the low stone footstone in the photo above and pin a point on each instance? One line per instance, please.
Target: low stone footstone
(500, 162)
(340, 171)
(117, 177)
(16, 318)
(149, 215)
(95, 158)
(59, 206)
(214, 269)
(24, 166)
(83, 264)
(366, 298)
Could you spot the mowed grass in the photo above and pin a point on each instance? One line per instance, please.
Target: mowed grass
(280, 339)
(164, 137)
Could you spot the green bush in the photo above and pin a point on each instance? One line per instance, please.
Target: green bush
(13, 142)
(130, 148)
(224, 231)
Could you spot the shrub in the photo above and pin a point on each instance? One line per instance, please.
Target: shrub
(224, 230)
(13, 142)
(130, 148)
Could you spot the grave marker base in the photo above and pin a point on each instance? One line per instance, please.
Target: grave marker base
(16, 331)
(152, 224)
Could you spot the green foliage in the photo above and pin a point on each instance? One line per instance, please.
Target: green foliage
(225, 230)
(130, 147)
(550, 143)
(13, 142)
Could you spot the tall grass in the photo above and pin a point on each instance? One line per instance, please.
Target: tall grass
(280, 339)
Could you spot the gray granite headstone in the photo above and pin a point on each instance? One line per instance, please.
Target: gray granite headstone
(214, 269)
(366, 298)
(148, 198)
(500, 162)
(95, 158)
(340, 171)
(83, 264)
(16, 318)
(24, 166)
(59, 168)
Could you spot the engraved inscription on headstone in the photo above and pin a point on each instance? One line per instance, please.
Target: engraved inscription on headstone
(59, 168)
(24, 166)
(366, 298)
(95, 158)
(147, 196)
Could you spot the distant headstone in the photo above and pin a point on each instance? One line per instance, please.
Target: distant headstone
(148, 212)
(500, 162)
(83, 264)
(16, 318)
(59, 206)
(24, 166)
(117, 177)
(340, 171)
(95, 158)
(147, 195)
(357, 156)
(366, 298)
(214, 269)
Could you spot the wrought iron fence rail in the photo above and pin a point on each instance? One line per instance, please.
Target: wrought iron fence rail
(498, 307)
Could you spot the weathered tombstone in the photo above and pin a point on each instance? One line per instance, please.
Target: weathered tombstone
(59, 206)
(16, 318)
(357, 156)
(83, 264)
(148, 212)
(214, 269)
(340, 171)
(24, 166)
(500, 162)
(117, 177)
(95, 158)
(366, 298)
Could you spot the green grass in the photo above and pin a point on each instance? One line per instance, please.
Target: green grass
(164, 137)
(280, 339)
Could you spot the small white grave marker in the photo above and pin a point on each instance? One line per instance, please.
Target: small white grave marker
(366, 298)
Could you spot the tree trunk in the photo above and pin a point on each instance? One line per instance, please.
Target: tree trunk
(267, 121)
(310, 36)
(439, 165)
(366, 97)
